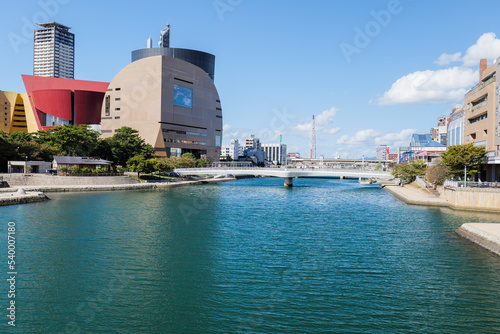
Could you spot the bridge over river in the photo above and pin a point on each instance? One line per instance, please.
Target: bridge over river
(288, 174)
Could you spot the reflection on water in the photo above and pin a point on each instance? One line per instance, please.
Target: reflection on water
(250, 256)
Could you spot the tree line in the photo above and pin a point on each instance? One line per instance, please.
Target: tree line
(457, 162)
(125, 148)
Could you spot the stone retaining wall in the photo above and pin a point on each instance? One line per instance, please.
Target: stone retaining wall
(21, 180)
(13, 198)
(483, 199)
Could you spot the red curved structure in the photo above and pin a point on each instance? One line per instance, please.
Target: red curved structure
(75, 101)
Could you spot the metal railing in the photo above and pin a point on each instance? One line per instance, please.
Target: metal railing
(480, 86)
(471, 184)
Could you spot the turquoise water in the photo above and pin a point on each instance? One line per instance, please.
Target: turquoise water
(328, 256)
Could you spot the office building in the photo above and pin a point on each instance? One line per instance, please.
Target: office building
(275, 153)
(233, 150)
(382, 152)
(54, 51)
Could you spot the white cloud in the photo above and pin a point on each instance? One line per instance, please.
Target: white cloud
(359, 138)
(386, 139)
(447, 85)
(487, 46)
(425, 87)
(446, 59)
(322, 123)
(333, 131)
(226, 127)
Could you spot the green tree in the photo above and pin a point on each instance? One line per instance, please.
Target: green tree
(437, 174)
(189, 155)
(70, 140)
(378, 167)
(125, 144)
(407, 172)
(140, 164)
(457, 157)
(202, 162)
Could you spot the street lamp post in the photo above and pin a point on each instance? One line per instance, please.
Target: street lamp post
(465, 177)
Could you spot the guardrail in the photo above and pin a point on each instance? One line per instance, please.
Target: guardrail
(471, 184)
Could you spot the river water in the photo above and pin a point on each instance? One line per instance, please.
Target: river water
(250, 256)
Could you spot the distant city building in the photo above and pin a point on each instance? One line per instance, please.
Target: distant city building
(440, 132)
(382, 152)
(54, 51)
(233, 150)
(171, 101)
(252, 143)
(421, 147)
(456, 127)
(275, 153)
(393, 157)
(294, 155)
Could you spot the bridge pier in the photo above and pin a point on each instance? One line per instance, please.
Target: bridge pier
(288, 181)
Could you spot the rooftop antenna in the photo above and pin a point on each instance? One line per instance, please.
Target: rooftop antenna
(165, 37)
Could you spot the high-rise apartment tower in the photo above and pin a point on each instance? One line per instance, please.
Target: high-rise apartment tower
(54, 51)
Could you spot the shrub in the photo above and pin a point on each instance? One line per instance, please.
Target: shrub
(437, 174)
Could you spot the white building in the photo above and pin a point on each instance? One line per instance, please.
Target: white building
(54, 51)
(275, 153)
(252, 143)
(382, 152)
(233, 150)
(456, 127)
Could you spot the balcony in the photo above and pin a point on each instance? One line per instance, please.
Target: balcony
(480, 86)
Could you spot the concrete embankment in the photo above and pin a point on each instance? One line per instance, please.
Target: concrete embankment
(34, 180)
(477, 199)
(484, 235)
(413, 195)
(21, 197)
(30, 194)
(470, 199)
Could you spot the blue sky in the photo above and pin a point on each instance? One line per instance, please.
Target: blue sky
(373, 72)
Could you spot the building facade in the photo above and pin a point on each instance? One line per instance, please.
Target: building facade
(382, 152)
(479, 114)
(456, 127)
(57, 101)
(275, 153)
(440, 132)
(233, 150)
(172, 103)
(16, 114)
(54, 51)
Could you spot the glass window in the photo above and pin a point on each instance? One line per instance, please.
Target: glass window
(217, 141)
(183, 96)
(107, 105)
